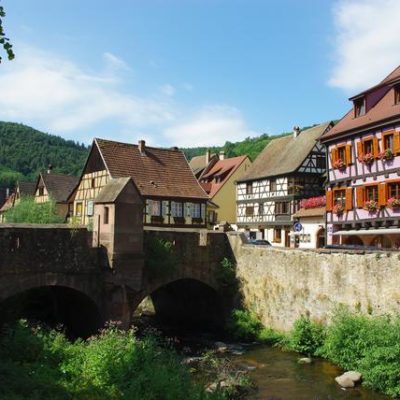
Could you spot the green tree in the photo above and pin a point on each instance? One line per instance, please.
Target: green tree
(5, 41)
(29, 212)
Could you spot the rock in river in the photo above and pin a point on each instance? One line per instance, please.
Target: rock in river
(348, 379)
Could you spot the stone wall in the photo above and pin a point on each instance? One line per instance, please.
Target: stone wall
(281, 285)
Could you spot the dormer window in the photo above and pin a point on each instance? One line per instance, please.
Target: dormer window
(359, 107)
(397, 94)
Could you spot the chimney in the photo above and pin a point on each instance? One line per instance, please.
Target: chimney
(49, 168)
(142, 147)
(222, 155)
(208, 156)
(296, 131)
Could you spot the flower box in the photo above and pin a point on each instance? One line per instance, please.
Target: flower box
(339, 164)
(386, 155)
(393, 203)
(157, 219)
(367, 158)
(371, 206)
(338, 208)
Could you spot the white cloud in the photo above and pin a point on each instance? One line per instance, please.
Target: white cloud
(211, 126)
(51, 93)
(367, 42)
(167, 90)
(115, 62)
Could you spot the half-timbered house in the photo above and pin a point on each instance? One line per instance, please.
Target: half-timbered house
(289, 169)
(363, 196)
(58, 188)
(170, 192)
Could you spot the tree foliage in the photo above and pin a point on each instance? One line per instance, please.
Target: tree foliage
(27, 211)
(4, 40)
(25, 151)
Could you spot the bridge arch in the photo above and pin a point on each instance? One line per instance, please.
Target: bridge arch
(186, 301)
(53, 299)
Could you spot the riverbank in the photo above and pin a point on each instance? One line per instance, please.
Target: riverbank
(367, 344)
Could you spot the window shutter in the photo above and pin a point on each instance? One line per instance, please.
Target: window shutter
(360, 196)
(396, 142)
(349, 199)
(375, 146)
(203, 210)
(382, 194)
(334, 155)
(348, 155)
(359, 150)
(165, 208)
(329, 200)
(187, 210)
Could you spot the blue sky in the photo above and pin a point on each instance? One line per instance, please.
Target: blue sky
(189, 72)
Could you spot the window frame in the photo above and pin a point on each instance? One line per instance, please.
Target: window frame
(397, 94)
(249, 188)
(273, 187)
(280, 206)
(153, 209)
(248, 214)
(79, 204)
(176, 209)
(389, 183)
(342, 199)
(374, 186)
(360, 107)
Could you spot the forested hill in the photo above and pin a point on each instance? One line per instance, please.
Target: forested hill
(25, 151)
(250, 146)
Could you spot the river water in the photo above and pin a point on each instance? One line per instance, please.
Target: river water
(278, 376)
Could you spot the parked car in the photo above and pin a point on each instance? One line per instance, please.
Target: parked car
(260, 242)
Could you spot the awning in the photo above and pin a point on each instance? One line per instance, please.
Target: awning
(363, 232)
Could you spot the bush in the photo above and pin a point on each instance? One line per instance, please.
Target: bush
(29, 212)
(161, 260)
(225, 273)
(307, 337)
(244, 325)
(41, 364)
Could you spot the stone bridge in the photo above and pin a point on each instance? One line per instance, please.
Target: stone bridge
(54, 272)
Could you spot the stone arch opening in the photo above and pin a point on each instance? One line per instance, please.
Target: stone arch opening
(381, 242)
(189, 304)
(353, 241)
(54, 306)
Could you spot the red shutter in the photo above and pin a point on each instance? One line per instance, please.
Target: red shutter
(348, 155)
(359, 150)
(382, 194)
(375, 147)
(360, 190)
(334, 155)
(349, 199)
(329, 200)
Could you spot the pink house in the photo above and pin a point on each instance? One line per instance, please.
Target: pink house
(363, 195)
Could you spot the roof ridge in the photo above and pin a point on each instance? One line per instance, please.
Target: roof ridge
(136, 145)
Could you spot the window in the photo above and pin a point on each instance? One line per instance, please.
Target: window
(176, 209)
(368, 146)
(339, 197)
(277, 235)
(359, 107)
(388, 142)
(282, 207)
(397, 94)
(196, 210)
(342, 153)
(394, 190)
(41, 191)
(371, 193)
(93, 183)
(106, 215)
(272, 185)
(89, 208)
(155, 208)
(249, 188)
(260, 208)
(78, 209)
(321, 162)
(249, 211)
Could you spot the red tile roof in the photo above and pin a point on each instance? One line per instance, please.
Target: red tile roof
(222, 169)
(383, 110)
(158, 172)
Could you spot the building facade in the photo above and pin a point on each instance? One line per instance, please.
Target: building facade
(289, 169)
(363, 195)
(171, 195)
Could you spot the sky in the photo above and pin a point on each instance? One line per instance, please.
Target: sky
(191, 72)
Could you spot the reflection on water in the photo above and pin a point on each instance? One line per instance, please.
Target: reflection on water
(279, 377)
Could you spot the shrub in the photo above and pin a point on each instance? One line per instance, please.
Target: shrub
(225, 273)
(307, 336)
(114, 365)
(29, 212)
